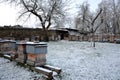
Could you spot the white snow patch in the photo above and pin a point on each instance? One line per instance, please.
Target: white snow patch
(81, 61)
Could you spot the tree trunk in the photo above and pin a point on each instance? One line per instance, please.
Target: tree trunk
(46, 37)
(93, 35)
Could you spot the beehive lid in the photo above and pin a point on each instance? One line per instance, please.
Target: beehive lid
(4, 41)
(36, 43)
(32, 43)
(40, 46)
(21, 42)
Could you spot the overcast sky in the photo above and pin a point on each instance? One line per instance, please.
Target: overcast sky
(8, 14)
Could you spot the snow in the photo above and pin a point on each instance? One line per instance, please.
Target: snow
(10, 71)
(78, 61)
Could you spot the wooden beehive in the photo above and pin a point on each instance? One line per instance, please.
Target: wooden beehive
(21, 52)
(36, 53)
(8, 46)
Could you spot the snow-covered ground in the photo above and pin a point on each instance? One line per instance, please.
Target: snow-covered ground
(78, 60)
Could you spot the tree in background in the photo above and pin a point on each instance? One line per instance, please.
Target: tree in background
(88, 21)
(83, 14)
(48, 12)
(111, 16)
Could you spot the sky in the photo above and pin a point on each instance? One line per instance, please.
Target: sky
(9, 14)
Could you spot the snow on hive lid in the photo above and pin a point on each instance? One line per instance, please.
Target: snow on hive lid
(4, 41)
(36, 42)
(32, 43)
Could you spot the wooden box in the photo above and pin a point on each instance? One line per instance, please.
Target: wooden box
(8, 46)
(36, 53)
(21, 52)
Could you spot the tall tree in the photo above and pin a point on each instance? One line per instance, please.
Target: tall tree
(48, 12)
(94, 24)
(83, 14)
(111, 16)
(88, 21)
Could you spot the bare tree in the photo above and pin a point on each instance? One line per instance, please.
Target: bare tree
(83, 14)
(111, 16)
(88, 20)
(48, 12)
(95, 25)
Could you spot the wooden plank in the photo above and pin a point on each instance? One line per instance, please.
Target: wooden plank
(44, 71)
(31, 63)
(35, 63)
(56, 69)
(19, 60)
(31, 57)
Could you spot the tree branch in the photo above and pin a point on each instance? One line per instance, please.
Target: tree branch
(23, 2)
(87, 20)
(97, 27)
(22, 15)
(49, 15)
(96, 17)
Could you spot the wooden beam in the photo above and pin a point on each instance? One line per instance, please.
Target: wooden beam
(56, 69)
(44, 71)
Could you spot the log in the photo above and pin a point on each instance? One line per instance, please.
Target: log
(56, 69)
(7, 56)
(44, 71)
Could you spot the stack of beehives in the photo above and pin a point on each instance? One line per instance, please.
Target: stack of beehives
(32, 53)
(36, 53)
